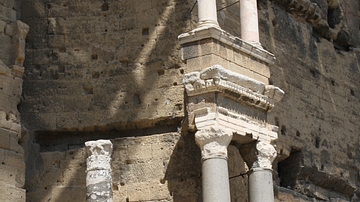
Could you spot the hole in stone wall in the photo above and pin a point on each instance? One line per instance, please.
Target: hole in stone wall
(297, 133)
(124, 63)
(283, 130)
(181, 71)
(136, 99)
(175, 83)
(333, 83)
(88, 89)
(352, 92)
(145, 31)
(289, 168)
(315, 73)
(334, 17)
(161, 72)
(104, 7)
(61, 69)
(317, 142)
(94, 56)
(277, 122)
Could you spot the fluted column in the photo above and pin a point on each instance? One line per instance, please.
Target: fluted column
(207, 13)
(213, 142)
(98, 171)
(260, 176)
(249, 21)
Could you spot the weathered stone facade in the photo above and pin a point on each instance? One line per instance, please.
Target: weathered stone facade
(144, 76)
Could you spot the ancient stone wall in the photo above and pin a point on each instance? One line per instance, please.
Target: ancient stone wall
(113, 70)
(319, 113)
(12, 53)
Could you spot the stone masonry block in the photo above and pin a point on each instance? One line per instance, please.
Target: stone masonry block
(12, 176)
(7, 14)
(14, 159)
(10, 193)
(56, 41)
(14, 142)
(6, 85)
(190, 50)
(4, 139)
(6, 49)
(9, 29)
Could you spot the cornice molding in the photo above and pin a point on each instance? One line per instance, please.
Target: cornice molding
(240, 87)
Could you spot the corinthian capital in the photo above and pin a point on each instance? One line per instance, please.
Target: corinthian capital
(99, 147)
(99, 153)
(265, 155)
(213, 141)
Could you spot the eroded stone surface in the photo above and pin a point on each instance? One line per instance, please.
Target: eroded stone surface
(98, 171)
(213, 141)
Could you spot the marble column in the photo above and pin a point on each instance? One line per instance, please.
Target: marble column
(249, 21)
(207, 13)
(213, 142)
(98, 171)
(260, 176)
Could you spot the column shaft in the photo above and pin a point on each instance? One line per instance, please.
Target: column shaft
(215, 180)
(249, 21)
(261, 186)
(98, 171)
(207, 13)
(213, 142)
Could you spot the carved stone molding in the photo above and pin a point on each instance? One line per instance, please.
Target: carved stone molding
(259, 155)
(266, 153)
(99, 147)
(98, 162)
(213, 141)
(240, 87)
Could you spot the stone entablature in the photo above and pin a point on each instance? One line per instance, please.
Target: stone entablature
(240, 87)
(244, 128)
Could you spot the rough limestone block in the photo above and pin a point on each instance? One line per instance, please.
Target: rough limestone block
(9, 29)
(4, 139)
(4, 70)
(17, 71)
(14, 159)
(6, 87)
(18, 40)
(6, 49)
(7, 14)
(14, 142)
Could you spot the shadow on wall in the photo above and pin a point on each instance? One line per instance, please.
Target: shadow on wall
(96, 69)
